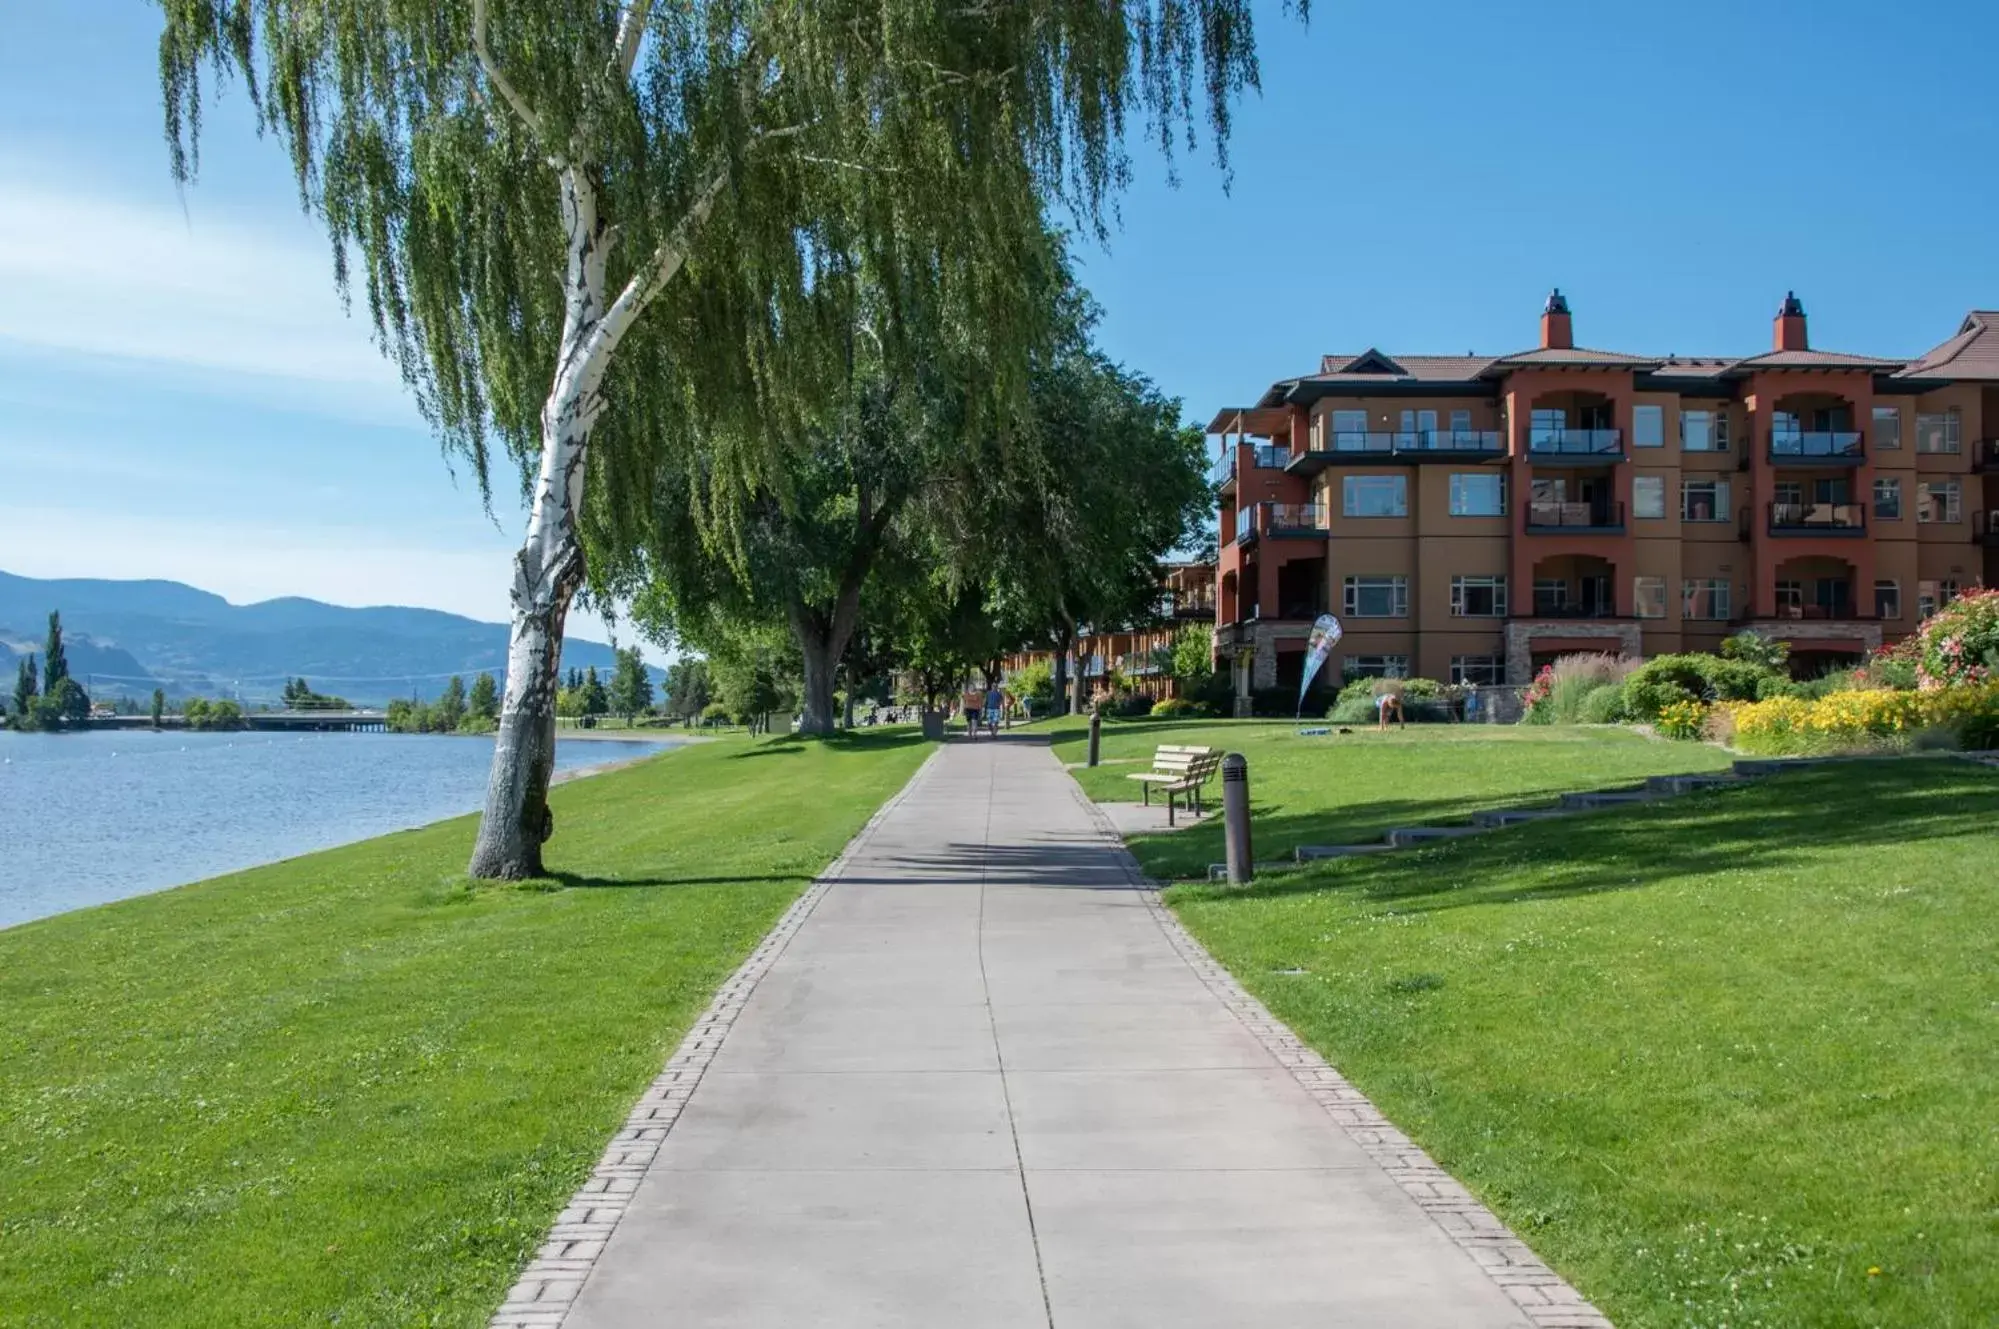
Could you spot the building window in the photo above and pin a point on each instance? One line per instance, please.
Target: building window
(1375, 496)
(1478, 597)
(1887, 599)
(1460, 422)
(1888, 500)
(1551, 595)
(1374, 666)
(1648, 426)
(1888, 427)
(1648, 496)
(1934, 595)
(1939, 432)
(1703, 500)
(1703, 431)
(1478, 494)
(1791, 598)
(1377, 597)
(1478, 671)
(1704, 599)
(1938, 501)
(1648, 597)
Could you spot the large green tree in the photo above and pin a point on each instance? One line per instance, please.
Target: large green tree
(582, 227)
(25, 689)
(631, 685)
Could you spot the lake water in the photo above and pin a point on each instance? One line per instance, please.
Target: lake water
(86, 818)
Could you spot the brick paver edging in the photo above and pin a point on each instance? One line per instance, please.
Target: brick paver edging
(547, 1288)
(1539, 1291)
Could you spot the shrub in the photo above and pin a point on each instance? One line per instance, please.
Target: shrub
(1424, 700)
(1129, 704)
(1604, 705)
(1034, 682)
(1683, 719)
(1174, 706)
(1666, 679)
(1757, 649)
(1960, 642)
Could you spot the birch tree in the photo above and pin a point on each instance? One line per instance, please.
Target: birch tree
(583, 227)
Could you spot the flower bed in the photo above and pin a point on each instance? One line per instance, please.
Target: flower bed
(1867, 719)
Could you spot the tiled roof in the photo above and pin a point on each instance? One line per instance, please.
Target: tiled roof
(1574, 355)
(1417, 368)
(1972, 354)
(1681, 366)
(1816, 360)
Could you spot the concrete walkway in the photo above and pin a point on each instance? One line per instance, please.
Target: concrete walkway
(982, 1084)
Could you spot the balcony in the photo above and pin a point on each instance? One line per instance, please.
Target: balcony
(1263, 456)
(1600, 518)
(1985, 456)
(1837, 448)
(1280, 521)
(1561, 446)
(1838, 519)
(1985, 529)
(1407, 445)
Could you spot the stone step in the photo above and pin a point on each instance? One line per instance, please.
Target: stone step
(1615, 798)
(1503, 817)
(1404, 836)
(1306, 853)
(1757, 767)
(1687, 784)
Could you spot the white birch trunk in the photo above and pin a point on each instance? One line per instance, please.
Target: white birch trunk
(549, 567)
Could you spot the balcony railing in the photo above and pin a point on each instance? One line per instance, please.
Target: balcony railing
(1279, 520)
(1393, 442)
(1814, 613)
(1985, 455)
(1985, 528)
(1576, 442)
(1835, 446)
(1600, 516)
(1263, 456)
(1818, 519)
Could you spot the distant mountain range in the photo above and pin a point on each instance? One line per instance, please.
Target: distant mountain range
(133, 636)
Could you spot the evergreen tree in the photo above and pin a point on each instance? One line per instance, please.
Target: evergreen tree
(159, 706)
(594, 700)
(55, 663)
(485, 699)
(631, 686)
(25, 690)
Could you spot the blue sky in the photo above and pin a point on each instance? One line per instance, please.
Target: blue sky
(181, 394)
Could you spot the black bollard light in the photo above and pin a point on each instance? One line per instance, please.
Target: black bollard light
(1235, 817)
(1096, 734)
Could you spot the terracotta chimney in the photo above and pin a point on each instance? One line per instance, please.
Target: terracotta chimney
(1791, 325)
(1556, 332)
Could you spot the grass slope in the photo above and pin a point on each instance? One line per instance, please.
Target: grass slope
(352, 1088)
(1725, 1060)
(1350, 788)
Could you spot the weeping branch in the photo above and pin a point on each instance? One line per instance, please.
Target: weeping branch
(499, 80)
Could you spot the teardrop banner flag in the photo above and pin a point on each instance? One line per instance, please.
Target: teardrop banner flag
(1326, 634)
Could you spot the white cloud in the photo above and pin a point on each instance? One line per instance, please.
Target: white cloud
(210, 299)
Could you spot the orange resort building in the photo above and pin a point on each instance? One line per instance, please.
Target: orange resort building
(1471, 517)
(1137, 653)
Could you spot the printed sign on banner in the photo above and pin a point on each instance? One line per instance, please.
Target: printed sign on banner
(1326, 634)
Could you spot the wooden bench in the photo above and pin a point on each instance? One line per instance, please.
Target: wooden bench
(1179, 770)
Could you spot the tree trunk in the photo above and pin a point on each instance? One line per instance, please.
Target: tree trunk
(549, 567)
(821, 668)
(849, 668)
(1079, 682)
(1061, 679)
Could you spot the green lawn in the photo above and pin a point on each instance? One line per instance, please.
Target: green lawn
(352, 1089)
(1730, 1059)
(1350, 788)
